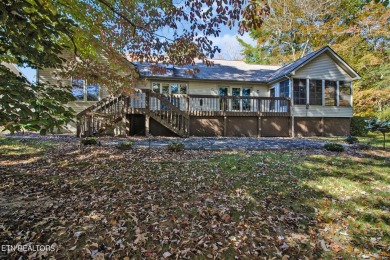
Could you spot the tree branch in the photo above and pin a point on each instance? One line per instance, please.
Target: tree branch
(104, 2)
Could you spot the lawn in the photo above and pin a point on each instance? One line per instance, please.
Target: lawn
(105, 202)
(374, 139)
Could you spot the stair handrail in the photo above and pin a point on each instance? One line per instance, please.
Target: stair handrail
(98, 105)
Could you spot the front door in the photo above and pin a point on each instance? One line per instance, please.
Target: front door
(236, 102)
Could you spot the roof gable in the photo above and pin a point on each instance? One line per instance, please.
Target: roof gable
(290, 69)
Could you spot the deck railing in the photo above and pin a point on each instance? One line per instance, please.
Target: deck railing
(208, 105)
(174, 111)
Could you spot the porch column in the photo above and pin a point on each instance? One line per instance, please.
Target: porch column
(259, 127)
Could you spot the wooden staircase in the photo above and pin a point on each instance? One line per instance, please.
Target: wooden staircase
(102, 117)
(111, 112)
(169, 114)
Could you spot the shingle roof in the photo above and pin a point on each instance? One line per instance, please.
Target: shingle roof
(233, 70)
(221, 70)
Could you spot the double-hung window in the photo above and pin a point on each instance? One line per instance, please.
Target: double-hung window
(84, 91)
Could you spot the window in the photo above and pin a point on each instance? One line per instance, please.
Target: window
(156, 87)
(174, 88)
(92, 92)
(315, 92)
(78, 89)
(345, 94)
(165, 88)
(183, 88)
(83, 91)
(299, 86)
(246, 92)
(284, 89)
(169, 88)
(330, 93)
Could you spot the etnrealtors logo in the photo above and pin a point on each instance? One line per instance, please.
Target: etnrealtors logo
(26, 248)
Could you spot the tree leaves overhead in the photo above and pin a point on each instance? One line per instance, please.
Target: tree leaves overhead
(33, 107)
(148, 30)
(31, 33)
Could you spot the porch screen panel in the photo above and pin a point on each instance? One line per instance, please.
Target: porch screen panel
(284, 90)
(315, 92)
(330, 93)
(345, 94)
(299, 88)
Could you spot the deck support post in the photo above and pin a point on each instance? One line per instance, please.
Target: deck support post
(225, 126)
(292, 126)
(147, 113)
(259, 127)
(147, 124)
(322, 126)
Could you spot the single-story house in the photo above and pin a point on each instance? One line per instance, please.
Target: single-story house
(309, 97)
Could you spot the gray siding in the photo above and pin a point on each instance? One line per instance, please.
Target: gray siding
(322, 67)
(322, 111)
(51, 75)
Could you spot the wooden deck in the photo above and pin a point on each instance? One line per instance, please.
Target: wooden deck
(174, 111)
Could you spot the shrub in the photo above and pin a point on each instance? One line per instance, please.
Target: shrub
(176, 147)
(333, 147)
(125, 146)
(366, 146)
(351, 139)
(358, 126)
(90, 141)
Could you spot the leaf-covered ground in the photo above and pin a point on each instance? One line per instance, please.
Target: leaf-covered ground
(109, 203)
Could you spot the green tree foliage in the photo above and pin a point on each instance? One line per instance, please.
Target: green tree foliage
(358, 30)
(91, 39)
(33, 107)
(30, 34)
